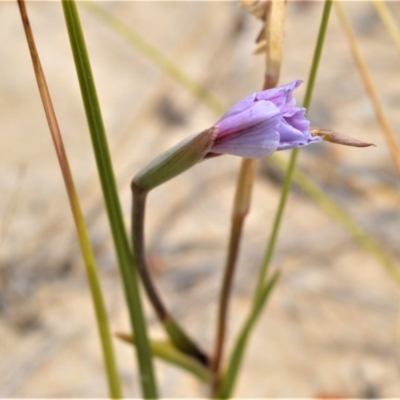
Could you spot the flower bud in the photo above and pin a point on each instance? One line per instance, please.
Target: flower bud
(263, 123)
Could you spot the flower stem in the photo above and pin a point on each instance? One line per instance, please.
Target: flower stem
(163, 168)
(178, 337)
(138, 211)
(114, 383)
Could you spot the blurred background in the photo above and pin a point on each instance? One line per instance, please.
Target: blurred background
(332, 326)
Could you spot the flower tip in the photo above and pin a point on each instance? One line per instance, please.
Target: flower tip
(339, 138)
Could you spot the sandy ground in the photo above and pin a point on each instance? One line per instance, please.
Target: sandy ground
(332, 325)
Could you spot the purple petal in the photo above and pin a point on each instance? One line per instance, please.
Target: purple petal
(296, 117)
(255, 142)
(290, 137)
(281, 95)
(299, 143)
(288, 133)
(239, 107)
(254, 115)
(263, 123)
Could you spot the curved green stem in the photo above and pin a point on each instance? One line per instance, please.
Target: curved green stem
(177, 335)
(163, 168)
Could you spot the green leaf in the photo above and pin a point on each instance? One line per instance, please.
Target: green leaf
(167, 352)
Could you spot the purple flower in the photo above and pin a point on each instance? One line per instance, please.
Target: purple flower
(262, 123)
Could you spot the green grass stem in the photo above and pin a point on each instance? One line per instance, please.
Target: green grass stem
(293, 159)
(230, 377)
(107, 179)
(264, 289)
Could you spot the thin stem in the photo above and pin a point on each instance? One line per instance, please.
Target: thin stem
(317, 53)
(138, 213)
(225, 390)
(114, 383)
(292, 163)
(163, 168)
(107, 179)
(240, 210)
(276, 224)
(179, 338)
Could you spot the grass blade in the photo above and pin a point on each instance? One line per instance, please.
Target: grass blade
(169, 353)
(107, 179)
(230, 377)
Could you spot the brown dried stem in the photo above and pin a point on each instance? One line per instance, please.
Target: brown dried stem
(240, 210)
(273, 26)
(83, 237)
